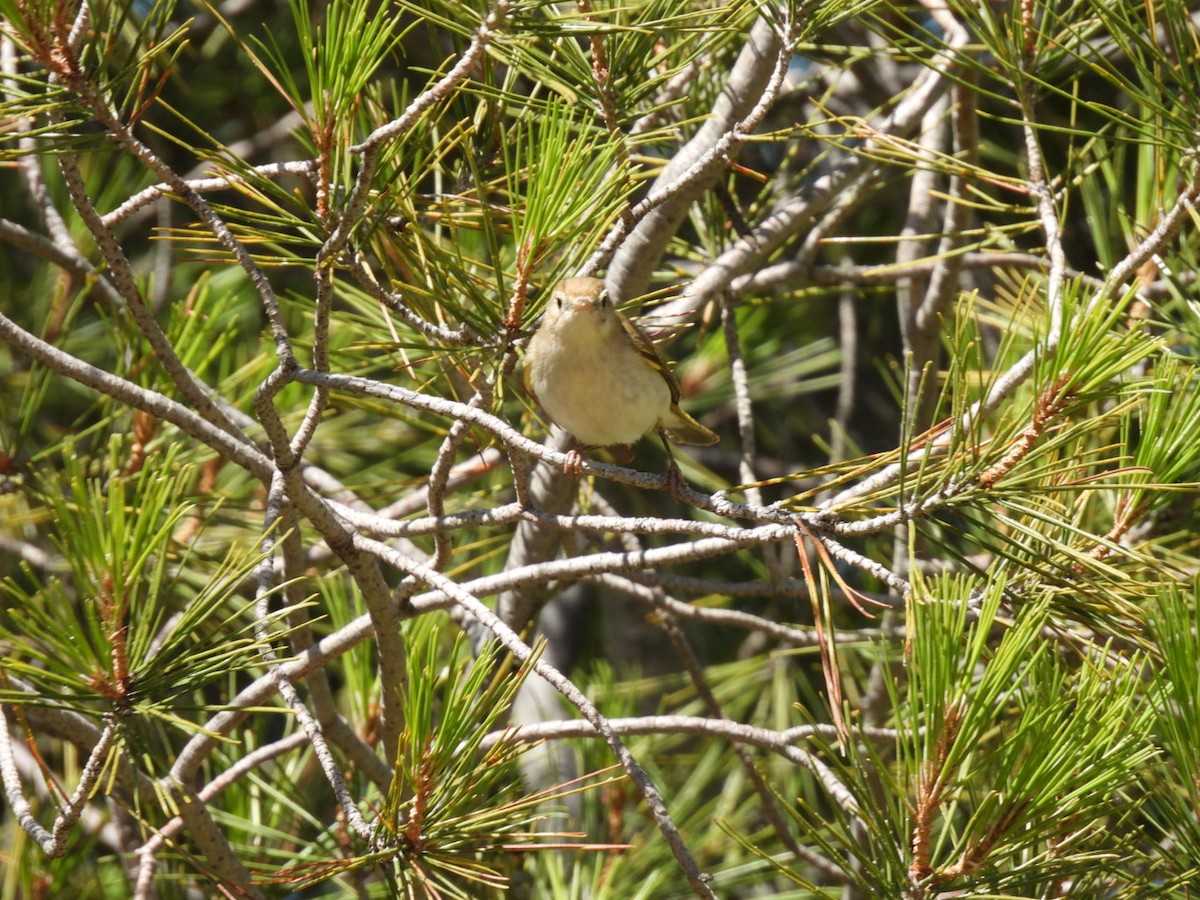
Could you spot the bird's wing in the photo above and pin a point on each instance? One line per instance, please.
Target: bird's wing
(649, 352)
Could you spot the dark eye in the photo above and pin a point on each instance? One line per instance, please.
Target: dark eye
(603, 297)
(558, 299)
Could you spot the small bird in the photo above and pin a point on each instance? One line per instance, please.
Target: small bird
(598, 376)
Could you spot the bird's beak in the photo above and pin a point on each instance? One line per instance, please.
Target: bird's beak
(577, 306)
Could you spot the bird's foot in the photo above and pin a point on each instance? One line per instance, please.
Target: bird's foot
(574, 464)
(673, 481)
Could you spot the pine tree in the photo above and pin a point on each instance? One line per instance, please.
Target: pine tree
(304, 594)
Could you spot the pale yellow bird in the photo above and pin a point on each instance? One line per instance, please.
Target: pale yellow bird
(599, 377)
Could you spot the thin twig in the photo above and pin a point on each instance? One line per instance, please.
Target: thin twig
(224, 182)
(369, 149)
(781, 743)
(191, 423)
(1016, 375)
(749, 93)
(794, 213)
(768, 799)
(275, 513)
(522, 651)
(52, 842)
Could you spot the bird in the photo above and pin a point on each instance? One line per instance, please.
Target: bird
(599, 377)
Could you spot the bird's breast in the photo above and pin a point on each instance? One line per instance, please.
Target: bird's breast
(602, 394)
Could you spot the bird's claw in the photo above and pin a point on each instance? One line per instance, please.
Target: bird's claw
(573, 467)
(673, 481)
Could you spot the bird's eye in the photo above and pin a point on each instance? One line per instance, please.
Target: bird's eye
(558, 300)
